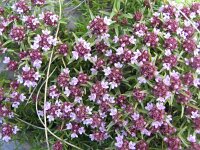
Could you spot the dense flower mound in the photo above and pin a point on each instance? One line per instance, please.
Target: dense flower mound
(129, 87)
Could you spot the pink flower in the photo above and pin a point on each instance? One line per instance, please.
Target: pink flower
(191, 138)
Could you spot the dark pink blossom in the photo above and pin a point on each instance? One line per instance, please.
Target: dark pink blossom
(17, 34)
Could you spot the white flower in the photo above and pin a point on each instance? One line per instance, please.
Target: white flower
(80, 40)
(146, 132)
(67, 109)
(179, 31)
(37, 63)
(91, 137)
(24, 18)
(92, 97)
(81, 130)
(87, 56)
(132, 40)
(196, 52)
(50, 118)
(113, 111)
(45, 48)
(67, 91)
(68, 126)
(111, 99)
(77, 99)
(54, 18)
(35, 46)
(22, 97)
(134, 60)
(53, 94)
(35, 21)
(197, 131)
(140, 33)
(74, 135)
(47, 105)
(72, 116)
(186, 23)
(142, 80)
(167, 35)
(29, 83)
(108, 53)
(15, 104)
(168, 52)
(94, 71)
(118, 65)
(37, 39)
(54, 41)
(19, 79)
(135, 116)
(174, 74)
(120, 51)
(41, 16)
(66, 70)
(26, 68)
(105, 37)
(6, 138)
(156, 14)
(166, 17)
(104, 84)
(36, 76)
(13, 7)
(107, 21)
(74, 81)
(131, 145)
(166, 80)
(137, 53)
(158, 79)
(86, 45)
(88, 121)
(75, 55)
(50, 39)
(89, 110)
(105, 97)
(156, 124)
(119, 140)
(94, 59)
(161, 99)
(195, 114)
(191, 138)
(107, 71)
(113, 85)
(196, 82)
(116, 39)
(198, 70)
(58, 113)
(168, 95)
(168, 118)
(6, 60)
(149, 106)
(46, 32)
(156, 31)
(160, 106)
(192, 15)
(40, 113)
(166, 66)
(15, 130)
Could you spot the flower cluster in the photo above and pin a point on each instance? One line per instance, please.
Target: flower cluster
(130, 87)
(7, 131)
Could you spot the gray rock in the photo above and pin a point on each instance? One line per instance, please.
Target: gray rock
(14, 145)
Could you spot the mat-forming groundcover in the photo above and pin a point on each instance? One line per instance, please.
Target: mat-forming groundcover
(127, 77)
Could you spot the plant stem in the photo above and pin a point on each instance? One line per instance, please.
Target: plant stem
(29, 123)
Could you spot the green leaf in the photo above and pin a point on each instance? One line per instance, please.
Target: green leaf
(182, 110)
(117, 5)
(91, 14)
